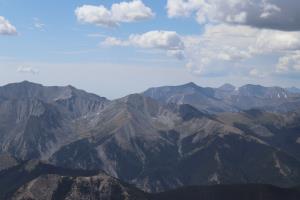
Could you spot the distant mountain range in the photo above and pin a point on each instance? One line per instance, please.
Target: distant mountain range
(228, 98)
(162, 139)
(293, 90)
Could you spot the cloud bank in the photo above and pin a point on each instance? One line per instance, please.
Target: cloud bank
(271, 14)
(256, 38)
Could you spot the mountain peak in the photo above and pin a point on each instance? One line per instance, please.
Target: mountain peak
(23, 83)
(191, 84)
(252, 86)
(227, 87)
(293, 90)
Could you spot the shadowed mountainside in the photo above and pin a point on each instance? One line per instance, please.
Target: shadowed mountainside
(35, 180)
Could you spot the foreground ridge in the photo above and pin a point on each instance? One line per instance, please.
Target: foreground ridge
(43, 181)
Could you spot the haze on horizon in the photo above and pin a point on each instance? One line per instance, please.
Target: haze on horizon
(114, 48)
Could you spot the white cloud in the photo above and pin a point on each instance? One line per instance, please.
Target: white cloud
(38, 24)
(6, 28)
(166, 40)
(223, 46)
(27, 70)
(257, 74)
(273, 14)
(112, 41)
(179, 54)
(220, 49)
(178, 8)
(123, 12)
(274, 41)
(254, 72)
(289, 63)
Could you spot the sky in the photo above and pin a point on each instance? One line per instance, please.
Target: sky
(114, 48)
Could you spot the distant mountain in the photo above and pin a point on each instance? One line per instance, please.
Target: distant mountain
(204, 99)
(36, 121)
(293, 90)
(227, 98)
(227, 88)
(160, 143)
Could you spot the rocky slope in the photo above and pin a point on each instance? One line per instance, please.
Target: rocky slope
(35, 121)
(7, 161)
(150, 143)
(159, 147)
(35, 180)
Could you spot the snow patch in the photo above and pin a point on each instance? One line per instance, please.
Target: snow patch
(214, 178)
(279, 166)
(217, 157)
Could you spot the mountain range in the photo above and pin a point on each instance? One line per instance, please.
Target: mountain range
(158, 140)
(228, 98)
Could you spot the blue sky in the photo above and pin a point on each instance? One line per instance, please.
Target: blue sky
(52, 45)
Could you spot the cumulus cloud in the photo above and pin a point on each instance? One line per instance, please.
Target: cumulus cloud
(218, 48)
(179, 54)
(6, 28)
(257, 74)
(112, 41)
(27, 70)
(271, 14)
(238, 33)
(167, 40)
(289, 63)
(223, 46)
(273, 41)
(123, 12)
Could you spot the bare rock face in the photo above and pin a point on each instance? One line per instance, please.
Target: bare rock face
(7, 161)
(101, 186)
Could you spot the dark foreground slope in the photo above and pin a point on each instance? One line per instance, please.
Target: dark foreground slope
(230, 192)
(35, 180)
